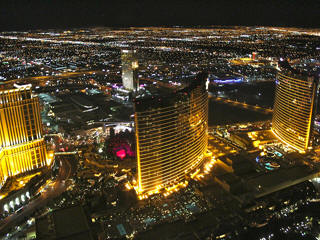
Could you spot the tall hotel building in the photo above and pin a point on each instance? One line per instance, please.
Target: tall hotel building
(22, 147)
(294, 107)
(129, 69)
(171, 135)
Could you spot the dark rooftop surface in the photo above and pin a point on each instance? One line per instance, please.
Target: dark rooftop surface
(274, 181)
(163, 97)
(69, 223)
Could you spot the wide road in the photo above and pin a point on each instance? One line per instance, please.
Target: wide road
(56, 77)
(67, 75)
(242, 105)
(67, 169)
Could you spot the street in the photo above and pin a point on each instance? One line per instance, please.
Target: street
(67, 168)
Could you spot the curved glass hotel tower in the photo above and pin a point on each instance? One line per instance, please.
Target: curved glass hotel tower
(22, 147)
(171, 135)
(294, 107)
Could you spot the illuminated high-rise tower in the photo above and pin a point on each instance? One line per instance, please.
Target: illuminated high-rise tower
(129, 70)
(171, 135)
(22, 147)
(294, 107)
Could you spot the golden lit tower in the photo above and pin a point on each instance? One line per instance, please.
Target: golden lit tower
(129, 69)
(171, 135)
(22, 147)
(294, 107)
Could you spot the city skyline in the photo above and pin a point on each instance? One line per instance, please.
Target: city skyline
(160, 132)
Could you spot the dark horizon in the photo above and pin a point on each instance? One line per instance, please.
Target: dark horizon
(46, 14)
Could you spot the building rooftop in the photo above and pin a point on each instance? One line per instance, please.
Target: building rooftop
(68, 223)
(165, 97)
(273, 181)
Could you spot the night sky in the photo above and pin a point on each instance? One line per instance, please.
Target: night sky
(34, 14)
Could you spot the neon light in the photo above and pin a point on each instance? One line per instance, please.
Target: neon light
(236, 80)
(121, 154)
